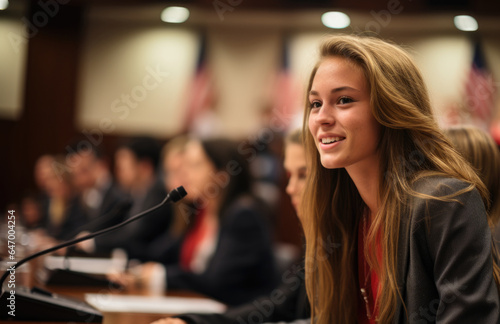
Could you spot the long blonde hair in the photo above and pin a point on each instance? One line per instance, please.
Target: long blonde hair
(411, 146)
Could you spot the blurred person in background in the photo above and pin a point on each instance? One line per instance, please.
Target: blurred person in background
(92, 179)
(265, 148)
(292, 303)
(42, 171)
(61, 213)
(136, 165)
(226, 253)
(32, 203)
(479, 148)
(173, 173)
(31, 212)
(173, 160)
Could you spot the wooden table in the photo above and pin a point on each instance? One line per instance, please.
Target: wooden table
(112, 318)
(79, 292)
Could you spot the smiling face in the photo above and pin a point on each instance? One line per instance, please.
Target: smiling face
(340, 118)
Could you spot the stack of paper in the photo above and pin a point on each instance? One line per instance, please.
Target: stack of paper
(154, 305)
(85, 265)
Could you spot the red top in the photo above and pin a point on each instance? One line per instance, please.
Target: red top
(373, 280)
(192, 240)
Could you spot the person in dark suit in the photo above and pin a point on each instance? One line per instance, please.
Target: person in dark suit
(226, 253)
(98, 194)
(136, 165)
(173, 162)
(288, 301)
(406, 210)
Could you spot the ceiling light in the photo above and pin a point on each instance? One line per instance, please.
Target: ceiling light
(465, 23)
(175, 15)
(335, 19)
(4, 4)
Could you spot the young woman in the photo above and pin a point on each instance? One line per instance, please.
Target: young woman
(404, 209)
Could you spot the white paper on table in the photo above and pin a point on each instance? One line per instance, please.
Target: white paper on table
(153, 304)
(87, 265)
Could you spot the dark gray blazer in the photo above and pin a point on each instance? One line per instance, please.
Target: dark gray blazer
(445, 267)
(287, 302)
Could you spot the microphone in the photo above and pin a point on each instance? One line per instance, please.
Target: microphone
(66, 276)
(39, 305)
(104, 221)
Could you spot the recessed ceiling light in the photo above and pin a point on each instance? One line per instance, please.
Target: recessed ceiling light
(175, 15)
(335, 19)
(465, 23)
(4, 4)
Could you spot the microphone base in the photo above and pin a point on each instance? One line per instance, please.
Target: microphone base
(43, 306)
(63, 277)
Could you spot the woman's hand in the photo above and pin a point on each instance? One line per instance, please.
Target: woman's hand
(125, 279)
(169, 320)
(137, 276)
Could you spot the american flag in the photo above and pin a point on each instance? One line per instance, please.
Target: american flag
(287, 93)
(480, 90)
(200, 90)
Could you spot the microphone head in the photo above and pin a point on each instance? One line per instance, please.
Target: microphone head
(177, 194)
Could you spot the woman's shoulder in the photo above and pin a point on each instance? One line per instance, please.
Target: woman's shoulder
(442, 195)
(246, 202)
(246, 207)
(440, 185)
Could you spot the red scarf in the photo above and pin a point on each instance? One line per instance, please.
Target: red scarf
(192, 240)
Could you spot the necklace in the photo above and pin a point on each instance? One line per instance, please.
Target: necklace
(364, 291)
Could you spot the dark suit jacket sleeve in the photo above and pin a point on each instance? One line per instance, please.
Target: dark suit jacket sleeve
(458, 240)
(155, 224)
(138, 234)
(75, 220)
(232, 275)
(109, 211)
(288, 302)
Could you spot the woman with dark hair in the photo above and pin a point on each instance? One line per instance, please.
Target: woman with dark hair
(406, 210)
(226, 253)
